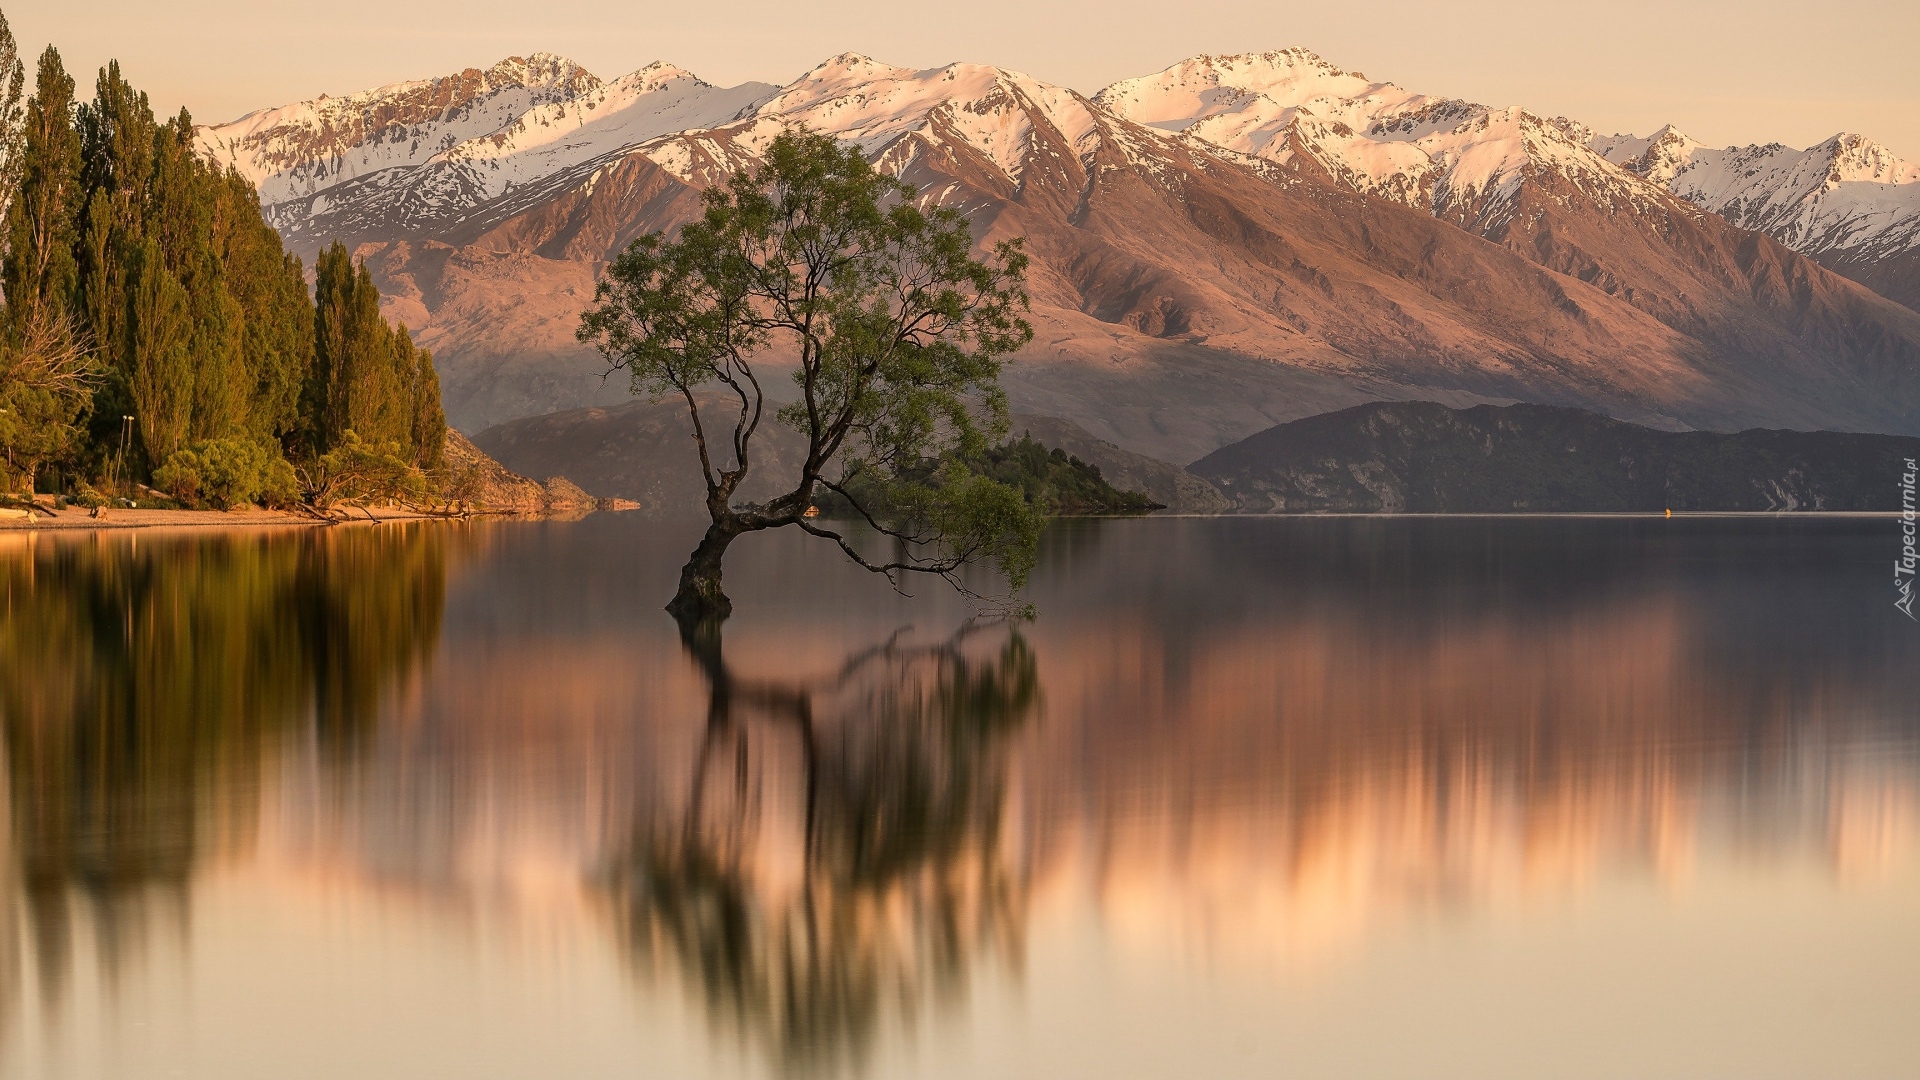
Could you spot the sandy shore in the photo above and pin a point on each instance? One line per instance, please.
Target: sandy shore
(75, 518)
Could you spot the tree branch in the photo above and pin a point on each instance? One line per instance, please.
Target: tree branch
(944, 568)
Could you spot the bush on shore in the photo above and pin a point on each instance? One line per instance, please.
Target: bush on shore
(224, 473)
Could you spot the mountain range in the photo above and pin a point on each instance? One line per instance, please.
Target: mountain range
(1235, 242)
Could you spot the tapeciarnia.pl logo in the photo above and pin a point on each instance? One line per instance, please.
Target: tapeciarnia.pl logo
(1903, 567)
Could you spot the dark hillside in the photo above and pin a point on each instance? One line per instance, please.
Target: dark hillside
(1420, 457)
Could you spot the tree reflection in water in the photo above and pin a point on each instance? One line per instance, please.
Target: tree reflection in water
(143, 685)
(840, 860)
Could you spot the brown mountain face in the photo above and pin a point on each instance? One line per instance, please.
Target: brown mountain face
(497, 298)
(642, 451)
(1767, 321)
(1186, 296)
(1896, 277)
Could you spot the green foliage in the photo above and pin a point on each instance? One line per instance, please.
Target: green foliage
(227, 472)
(36, 426)
(972, 514)
(154, 268)
(367, 377)
(1056, 480)
(38, 272)
(13, 83)
(894, 332)
(1049, 481)
(429, 417)
(357, 472)
(158, 355)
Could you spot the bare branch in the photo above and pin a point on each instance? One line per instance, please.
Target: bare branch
(946, 568)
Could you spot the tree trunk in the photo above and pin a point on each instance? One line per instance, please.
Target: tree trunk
(700, 599)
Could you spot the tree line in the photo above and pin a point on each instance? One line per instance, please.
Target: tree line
(154, 329)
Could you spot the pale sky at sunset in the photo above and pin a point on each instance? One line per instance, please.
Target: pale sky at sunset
(1724, 71)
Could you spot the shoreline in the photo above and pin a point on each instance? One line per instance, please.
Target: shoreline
(78, 520)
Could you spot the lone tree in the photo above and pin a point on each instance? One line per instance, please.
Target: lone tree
(895, 334)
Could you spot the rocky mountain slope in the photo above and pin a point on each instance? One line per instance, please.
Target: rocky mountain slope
(641, 451)
(1419, 457)
(1849, 202)
(1212, 255)
(1455, 159)
(478, 480)
(420, 156)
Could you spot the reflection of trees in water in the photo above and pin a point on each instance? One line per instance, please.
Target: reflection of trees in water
(142, 681)
(839, 859)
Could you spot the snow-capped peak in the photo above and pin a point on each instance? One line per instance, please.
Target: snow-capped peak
(437, 147)
(1451, 157)
(1858, 159)
(860, 100)
(1847, 194)
(1658, 157)
(1245, 100)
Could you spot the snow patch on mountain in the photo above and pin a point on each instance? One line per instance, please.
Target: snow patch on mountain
(302, 148)
(454, 151)
(872, 105)
(1285, 106)
(1453, 158)
(1848, 196)
(435, 149)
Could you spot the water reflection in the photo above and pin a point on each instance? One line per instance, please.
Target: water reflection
(841, 856)
(1307, 736)
(144, 684)
(1269, 762)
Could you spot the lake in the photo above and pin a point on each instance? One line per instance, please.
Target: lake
(1333, 797)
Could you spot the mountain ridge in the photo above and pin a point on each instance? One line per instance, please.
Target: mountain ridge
(1847, 201)
(1188, 293)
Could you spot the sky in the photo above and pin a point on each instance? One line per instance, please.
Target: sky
(1724, 71)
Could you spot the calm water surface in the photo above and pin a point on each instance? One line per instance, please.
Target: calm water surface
(1341, 797)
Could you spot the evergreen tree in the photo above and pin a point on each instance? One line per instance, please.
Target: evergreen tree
(13, 79)
(39, 271)
(429, 419)
(324, 400)
(276, 312)
(364, 370)
(159, 340)
(141, 280)
(46, 376)
(117, 135)
(46, 381)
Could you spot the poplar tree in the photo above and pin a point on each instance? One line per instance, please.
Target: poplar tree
(39, 273)
(140, 279)
(368, 377)
(429, 418)
(13, 79)
(46, 376)
(159, 360)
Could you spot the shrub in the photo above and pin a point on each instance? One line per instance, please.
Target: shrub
(361, 473)
(227, 472)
